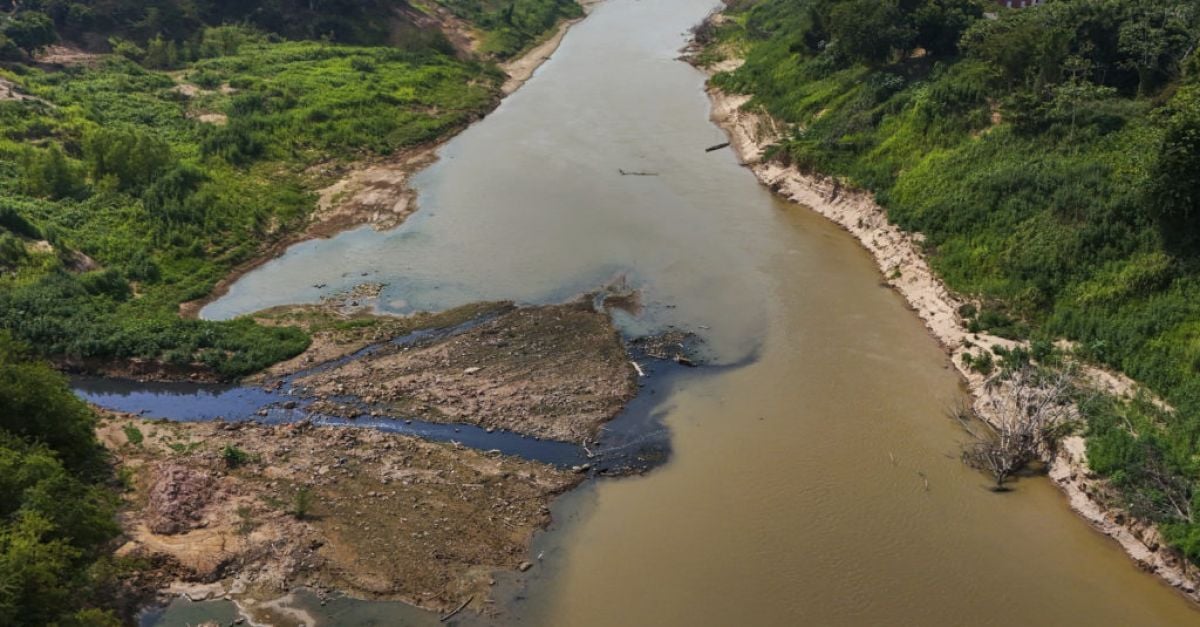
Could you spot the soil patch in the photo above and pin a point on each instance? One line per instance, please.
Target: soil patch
(262, 510)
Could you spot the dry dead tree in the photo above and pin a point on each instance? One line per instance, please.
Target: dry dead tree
(1027, 411)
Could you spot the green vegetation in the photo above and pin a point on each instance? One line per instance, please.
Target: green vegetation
(133, 435)
(511, 26)
(177, 22)
(234, 456)
(127, 190)
(302, 502)
(1050, 157)
(140, 207)
(133, 184)
(56, 516)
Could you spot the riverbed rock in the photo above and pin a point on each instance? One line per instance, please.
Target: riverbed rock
(177, 498)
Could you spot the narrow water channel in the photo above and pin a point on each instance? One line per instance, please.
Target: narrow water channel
(818, 484)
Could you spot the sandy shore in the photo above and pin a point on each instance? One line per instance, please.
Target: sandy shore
(521, 69)
(900, 258)
(376, 192)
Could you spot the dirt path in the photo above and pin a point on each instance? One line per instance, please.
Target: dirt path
(901, 259)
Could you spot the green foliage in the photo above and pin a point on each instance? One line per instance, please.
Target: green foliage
(55, 517)
(170, 205)
(125, 158)
(33, 405)
(302, 503)
(870, 30)
(133, 435)
(30, 31)
(512, 26)
(1174, 187)
(161, 54)
(982, 363)
(1050, 160)
(234, 456)
(50, 174)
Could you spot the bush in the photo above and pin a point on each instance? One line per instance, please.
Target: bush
(301, 503)
(133, 435)
(50, 174)
(234, 457)
(131, 156)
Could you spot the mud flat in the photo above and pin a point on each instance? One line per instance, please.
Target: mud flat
(269, 502)
(900, 257)
(556, 372)
(251, 512)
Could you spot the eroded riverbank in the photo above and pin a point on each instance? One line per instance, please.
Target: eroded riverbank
(902, 262)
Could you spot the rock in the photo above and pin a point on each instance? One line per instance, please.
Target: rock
(289, 405)
(524, 566)
(177, 498)
(472, 370)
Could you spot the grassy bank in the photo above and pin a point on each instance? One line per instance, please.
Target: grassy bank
(135, 183)
(114, 163)
(1048, 155)
(134, 180)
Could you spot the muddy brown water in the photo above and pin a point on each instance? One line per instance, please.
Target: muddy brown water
(817, 485)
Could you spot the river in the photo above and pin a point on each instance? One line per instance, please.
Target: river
(818, 483)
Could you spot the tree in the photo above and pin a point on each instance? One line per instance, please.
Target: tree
(940, 24)
(31, 31)
(870, 31)
(50, 174)
(56, 516)
(1027, 410)
(1155, 39)
(1174, 188)
(132, 157)
(161, 54)
(36, 404)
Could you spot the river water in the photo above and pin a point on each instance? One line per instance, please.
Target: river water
(818, 483)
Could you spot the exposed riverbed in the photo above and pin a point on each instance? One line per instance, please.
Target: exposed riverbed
(819, 482)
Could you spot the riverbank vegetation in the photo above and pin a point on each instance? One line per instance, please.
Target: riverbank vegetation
(56, 509)
(134, 182)
(1049, 156)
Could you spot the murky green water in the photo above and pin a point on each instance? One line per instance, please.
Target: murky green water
(818, 485)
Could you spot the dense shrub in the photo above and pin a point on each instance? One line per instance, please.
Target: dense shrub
(56, 517)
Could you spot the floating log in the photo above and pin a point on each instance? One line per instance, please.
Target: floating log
(716, 147)
(625, 173)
